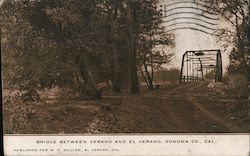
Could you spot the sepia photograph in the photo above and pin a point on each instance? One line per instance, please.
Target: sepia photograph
(97, 67)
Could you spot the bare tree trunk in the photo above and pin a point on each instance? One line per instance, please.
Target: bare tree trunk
(108, 84)
(150, 79)
(115, 65)
(88, 89)
(248, 51)
(144, 77)
(151, 85)
(132, 46)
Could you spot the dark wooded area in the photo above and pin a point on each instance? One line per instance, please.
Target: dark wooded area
(81, 44)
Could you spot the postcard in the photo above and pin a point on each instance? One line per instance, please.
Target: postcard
(125, 77)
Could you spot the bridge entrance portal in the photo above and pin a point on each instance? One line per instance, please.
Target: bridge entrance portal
(201, 65)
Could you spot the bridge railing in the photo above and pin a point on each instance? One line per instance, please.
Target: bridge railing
(190, 79)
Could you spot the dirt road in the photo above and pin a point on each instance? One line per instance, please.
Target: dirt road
(180, 108)
(186, 108)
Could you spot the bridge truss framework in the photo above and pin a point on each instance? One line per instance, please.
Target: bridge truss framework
(197, 64)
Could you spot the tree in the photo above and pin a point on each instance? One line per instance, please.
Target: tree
(56, 34)
(236, 14)
(116, 85)
(167, 75)
(76, 44)
(132, 37)
(18, 57)
(153, 42)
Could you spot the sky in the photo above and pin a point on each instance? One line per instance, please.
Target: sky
(187, 39)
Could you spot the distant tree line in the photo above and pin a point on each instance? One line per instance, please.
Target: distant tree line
(166, 76)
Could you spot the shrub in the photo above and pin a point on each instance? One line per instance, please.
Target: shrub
(16, 114)
(237, 86)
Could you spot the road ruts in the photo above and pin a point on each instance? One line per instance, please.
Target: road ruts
(174, 110)
(151, 113)
(228, 127)
(194, 114)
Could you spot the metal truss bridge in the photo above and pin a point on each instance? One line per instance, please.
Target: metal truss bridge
(199, 65)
